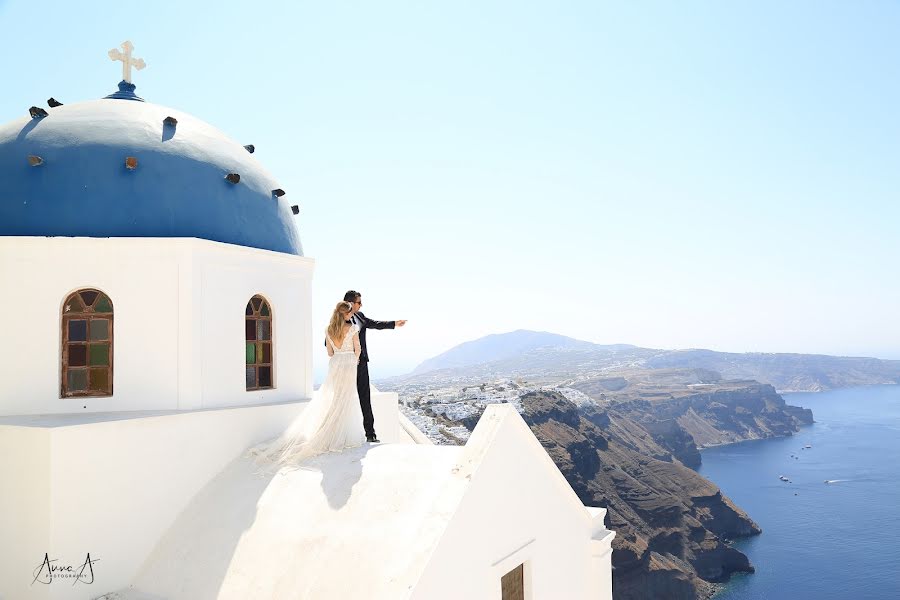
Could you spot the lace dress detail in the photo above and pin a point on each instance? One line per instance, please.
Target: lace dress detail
(332, 420)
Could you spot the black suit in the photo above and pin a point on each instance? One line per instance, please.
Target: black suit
(362, 371)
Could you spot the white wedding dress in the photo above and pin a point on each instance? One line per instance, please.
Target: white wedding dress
(333, 418)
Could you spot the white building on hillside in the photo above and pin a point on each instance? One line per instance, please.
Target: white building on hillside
(158, 306)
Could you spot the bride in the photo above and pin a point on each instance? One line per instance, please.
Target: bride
(333, 419)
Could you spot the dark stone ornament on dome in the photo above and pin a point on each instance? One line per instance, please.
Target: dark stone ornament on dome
(169, 125)
(233, 178)
(37, 112)
(295, 209)
(126, 92)
(278, 193)
(250, 148)
(53, 103)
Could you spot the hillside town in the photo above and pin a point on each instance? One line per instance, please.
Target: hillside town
(447, 414)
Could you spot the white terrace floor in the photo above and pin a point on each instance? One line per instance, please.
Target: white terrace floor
(356, 524)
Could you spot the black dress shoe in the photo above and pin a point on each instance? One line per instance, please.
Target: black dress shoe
(372, 439)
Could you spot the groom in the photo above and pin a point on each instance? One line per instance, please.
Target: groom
(362, 371)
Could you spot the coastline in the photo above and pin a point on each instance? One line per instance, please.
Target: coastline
(835, 389)
(853, 445)
(802, 426)
(760, 439)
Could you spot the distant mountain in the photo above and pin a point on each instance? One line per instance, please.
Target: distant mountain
(787, 372)
(497, 347)
(535, 354)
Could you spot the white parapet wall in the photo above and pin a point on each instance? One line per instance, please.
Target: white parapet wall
(601, 555)
(108, 485)
(386, 410)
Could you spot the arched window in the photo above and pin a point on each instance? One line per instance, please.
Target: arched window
(258, 338)
(87, 345)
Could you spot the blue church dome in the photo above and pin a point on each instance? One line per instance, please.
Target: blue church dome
(121, 167)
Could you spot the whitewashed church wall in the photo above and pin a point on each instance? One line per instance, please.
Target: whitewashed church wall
(228, 277)
(141, 279)
(117, 486)
(24, 507)
(515, 512)
(178, 321)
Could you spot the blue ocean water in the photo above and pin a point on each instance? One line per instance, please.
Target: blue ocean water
(820, 541)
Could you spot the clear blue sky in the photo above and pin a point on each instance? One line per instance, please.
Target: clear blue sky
(673, 175)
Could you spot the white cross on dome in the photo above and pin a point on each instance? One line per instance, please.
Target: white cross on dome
(127, 60)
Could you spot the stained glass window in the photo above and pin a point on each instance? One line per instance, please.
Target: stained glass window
(258, 343)
(87, 345)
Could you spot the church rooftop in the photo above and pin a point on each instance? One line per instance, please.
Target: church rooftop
(123, 167)
(356, 524)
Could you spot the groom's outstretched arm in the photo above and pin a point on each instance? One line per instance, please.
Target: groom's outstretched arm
(373, 324)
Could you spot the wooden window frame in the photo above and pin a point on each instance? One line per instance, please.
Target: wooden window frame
(87, 315)
(255, 317)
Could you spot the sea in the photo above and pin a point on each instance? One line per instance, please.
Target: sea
(832, 532)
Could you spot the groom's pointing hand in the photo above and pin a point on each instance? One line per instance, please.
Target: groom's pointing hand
(400, 323)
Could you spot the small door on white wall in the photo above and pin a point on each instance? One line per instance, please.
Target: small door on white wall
(513, 584)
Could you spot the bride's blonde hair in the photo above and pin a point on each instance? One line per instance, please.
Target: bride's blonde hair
(340, 314)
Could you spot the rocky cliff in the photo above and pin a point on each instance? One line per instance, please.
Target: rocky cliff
(682, 410)
(625, 435)
(671, 524)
